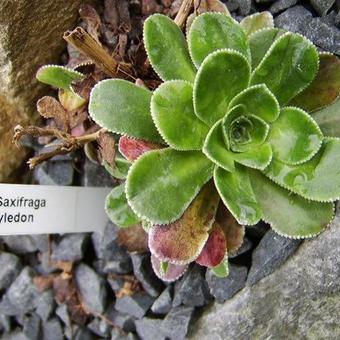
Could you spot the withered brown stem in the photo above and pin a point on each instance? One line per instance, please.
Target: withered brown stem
(87, 45)
(67, 144)
(183, 12)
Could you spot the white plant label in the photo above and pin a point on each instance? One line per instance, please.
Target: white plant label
(39, 209)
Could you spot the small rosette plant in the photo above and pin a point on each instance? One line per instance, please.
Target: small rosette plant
(235, 120)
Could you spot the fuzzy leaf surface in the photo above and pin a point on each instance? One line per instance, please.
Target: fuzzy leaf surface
(237, 194)
(214, 249)
(173, 113)
(173, 272)
(257, 21)
(289, 214)
(216, 150)
(223, 75)
(162, 183)
(288, 67)
(124, 108)
(325, 88)
(167, 49)
(213, 31)
(259, 101)
(260, 42)
(294, 136)
(318, 179)
(182, 241)
(243, 131)
(118, 209)
(328, 119)
(58, 76)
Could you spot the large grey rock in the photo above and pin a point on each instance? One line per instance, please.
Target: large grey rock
(21, 244)
(55, 173)
(281, 5)
(30, 36)
(300, 300)
(136, 305)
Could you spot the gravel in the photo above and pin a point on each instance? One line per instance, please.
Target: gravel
(163, 303)
(92, 288)
(136, 305)
(193, 289)
(10, 267)
(225, 288)
(293, 18)
(271, 252)
(55, 173)
(70, 248)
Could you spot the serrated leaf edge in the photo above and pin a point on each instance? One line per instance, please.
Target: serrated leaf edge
(156, 122)
(272, 47)
(199, 71)
(162, 278)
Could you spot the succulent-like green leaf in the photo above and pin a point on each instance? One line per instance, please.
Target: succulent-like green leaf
(237, 194)
(221, 270)
(162, 183)
(222, 75)
(328, 119)
(172, 273)
(259, 101)
(325, 88)
(257, 157)
(214, 249)
(318, 179)
(182, 241)
(173, 113)
(132, 148)
(289, 215)
(70, 100)
(58, 76)
(118, 210)
(216, 150)
(255, 22)
(260, 42)
(294, 136)
(210, 32)
(167, 49)
(123, 108)
(288, 67)
(243, 131)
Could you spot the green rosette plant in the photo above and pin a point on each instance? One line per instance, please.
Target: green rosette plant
(247, 115)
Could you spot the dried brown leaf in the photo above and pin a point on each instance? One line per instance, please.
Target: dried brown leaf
(202, 6)
(150, 6)
(234, 232)
(43, 282)
(49, 107)
(106, 150)
(135, 239)
(84, 86)
(92, 20)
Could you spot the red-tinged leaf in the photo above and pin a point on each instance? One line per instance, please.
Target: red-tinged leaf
(135, 239)
(234, 232)
(182, 241)
(325, 88)
(214, 249)
(131, 148)
(172, 273)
